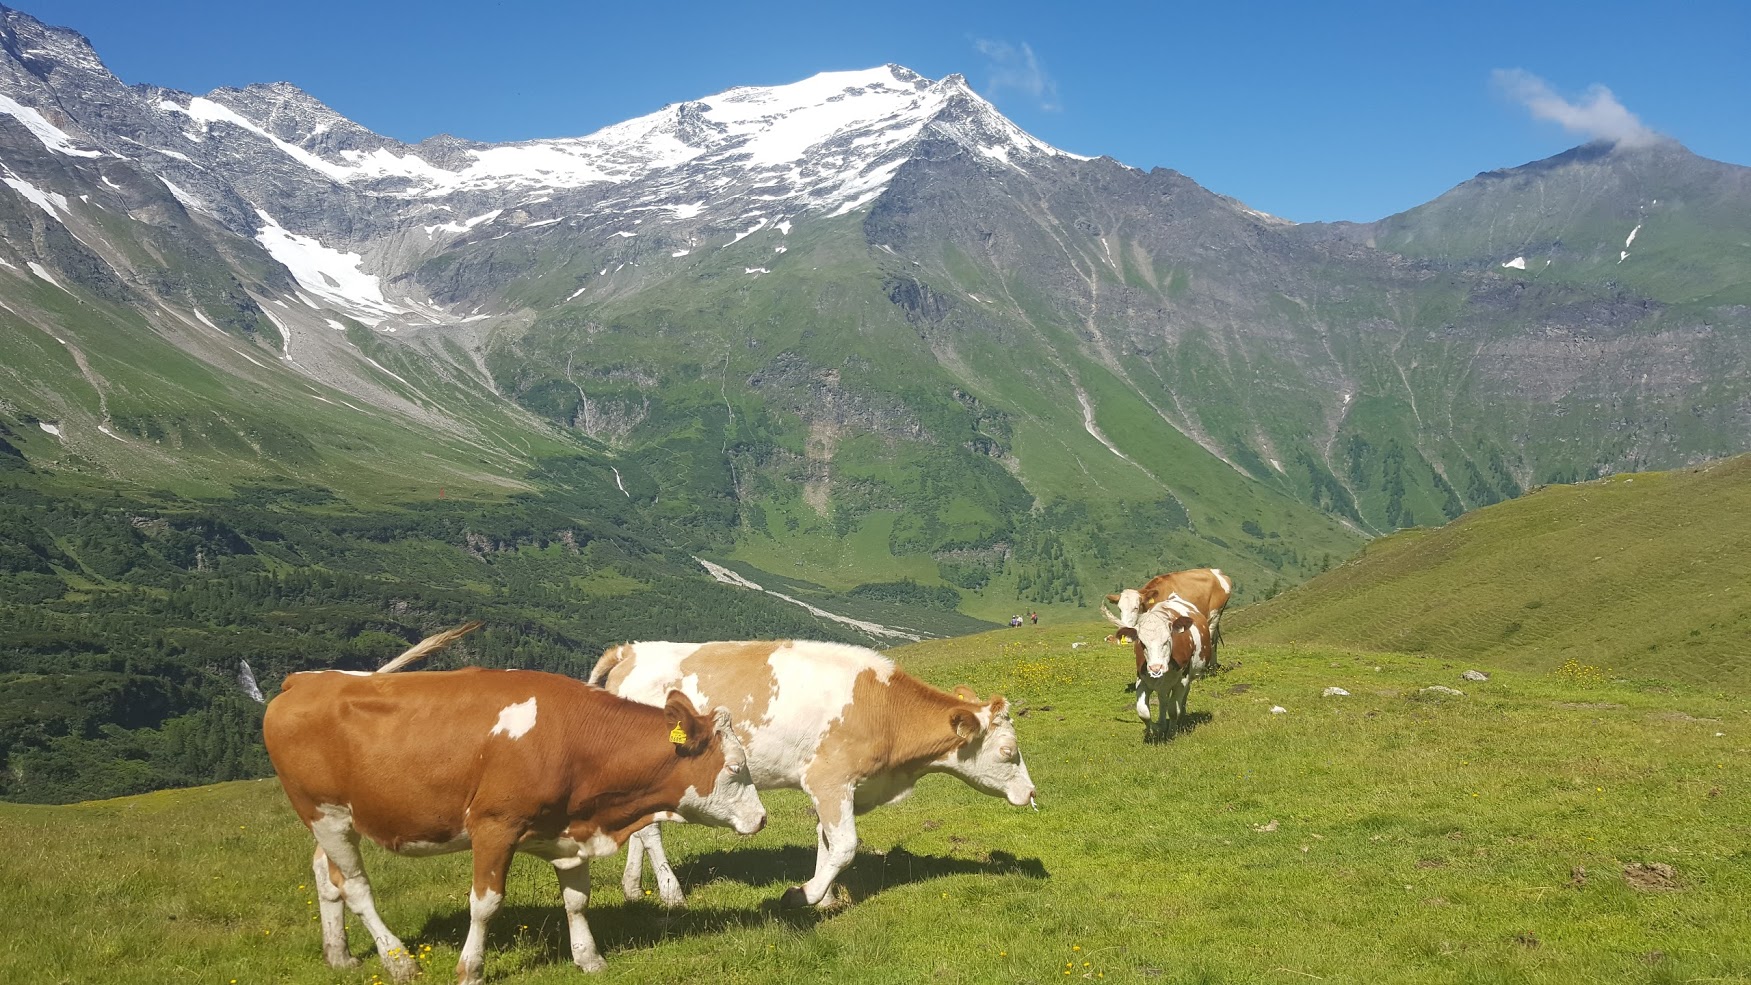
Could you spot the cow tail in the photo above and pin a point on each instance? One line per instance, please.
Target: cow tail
(606, 664)
(429, 645)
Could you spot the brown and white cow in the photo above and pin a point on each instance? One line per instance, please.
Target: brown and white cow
(500, 761)
(842, 723)
(1172, 645)
(1207, 588)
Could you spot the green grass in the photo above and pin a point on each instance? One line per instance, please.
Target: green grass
(1416, 841)
(1646, 574)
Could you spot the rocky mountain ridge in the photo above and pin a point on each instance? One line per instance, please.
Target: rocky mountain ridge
(861, 305)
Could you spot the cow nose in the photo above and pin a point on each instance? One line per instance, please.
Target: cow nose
(761, 826)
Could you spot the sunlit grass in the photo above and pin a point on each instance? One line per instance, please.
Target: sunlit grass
(1389, 836)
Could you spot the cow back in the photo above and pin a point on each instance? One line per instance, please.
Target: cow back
(413, 754)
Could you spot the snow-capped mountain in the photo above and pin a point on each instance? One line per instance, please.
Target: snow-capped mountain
(858, 253)
(347, 211)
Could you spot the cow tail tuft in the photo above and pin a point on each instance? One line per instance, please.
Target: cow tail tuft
(429, 645)
(606, 663)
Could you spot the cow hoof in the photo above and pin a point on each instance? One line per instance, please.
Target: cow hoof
(343, 961)
(673, 901)
(590, 962)
(794, 897)
(402, 968)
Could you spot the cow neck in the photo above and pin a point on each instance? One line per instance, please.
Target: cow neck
(915, 719)
(646, 777)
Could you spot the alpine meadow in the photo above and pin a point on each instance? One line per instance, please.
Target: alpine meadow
(856, 359)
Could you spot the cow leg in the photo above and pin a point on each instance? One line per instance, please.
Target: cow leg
(331, 906)
(1176, 698)
(835, 847)
(574, 888)
(632, 880)
(650, 842)
(1143, 693)
(340, 842)
(492, 862)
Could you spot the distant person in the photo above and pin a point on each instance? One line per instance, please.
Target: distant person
(1035, 617)
(1015, 621)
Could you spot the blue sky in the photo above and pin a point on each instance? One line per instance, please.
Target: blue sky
(1307, 110)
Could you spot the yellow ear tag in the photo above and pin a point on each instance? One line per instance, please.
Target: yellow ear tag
(678, 735)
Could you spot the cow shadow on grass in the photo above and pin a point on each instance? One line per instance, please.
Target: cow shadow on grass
(869, 873)
(618, 926)
(621, 926)
(1186, 724)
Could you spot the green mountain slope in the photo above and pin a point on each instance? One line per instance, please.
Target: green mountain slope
(1647, 575)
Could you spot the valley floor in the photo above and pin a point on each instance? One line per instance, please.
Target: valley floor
(1385, 836)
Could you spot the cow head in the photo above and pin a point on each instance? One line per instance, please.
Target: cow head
(988, 757)
(1161, 630)
(728, 798)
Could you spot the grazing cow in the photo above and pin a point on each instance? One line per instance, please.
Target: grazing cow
(1171, 642)
(839, 722)
(500, 761)
(1206, 588)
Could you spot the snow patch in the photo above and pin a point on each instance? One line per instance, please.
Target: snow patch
(728, 577)
(52, 137)
(574, 295)
(1624, 253)
(680, 253)
(624, 234)
(329, 274)
(188, 201)
(743, 235)
(1518, 263)
(755, 270)
(53, 429)
(47, 201)
(337, 326)
(686, 210)
(285, 335)
(620, 485)
(784, 227)
(37, 268)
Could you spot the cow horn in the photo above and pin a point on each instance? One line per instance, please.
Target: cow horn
(1115, 620)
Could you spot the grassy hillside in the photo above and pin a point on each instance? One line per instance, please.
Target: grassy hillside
(1469, 839)
(1648, 575)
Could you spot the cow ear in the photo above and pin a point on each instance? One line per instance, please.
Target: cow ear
(1182, 622)
(966, 693)
(1114, 599)
(965, 723)
(688, 730)
(999, 707)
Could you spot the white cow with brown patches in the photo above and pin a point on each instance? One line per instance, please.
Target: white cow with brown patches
(1207, 588)
(1172, 643)
(842, 723)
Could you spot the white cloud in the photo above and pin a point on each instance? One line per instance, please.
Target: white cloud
(1013, 67)
(1598, 114)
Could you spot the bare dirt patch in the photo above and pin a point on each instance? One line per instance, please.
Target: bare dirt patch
(1650, 876)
